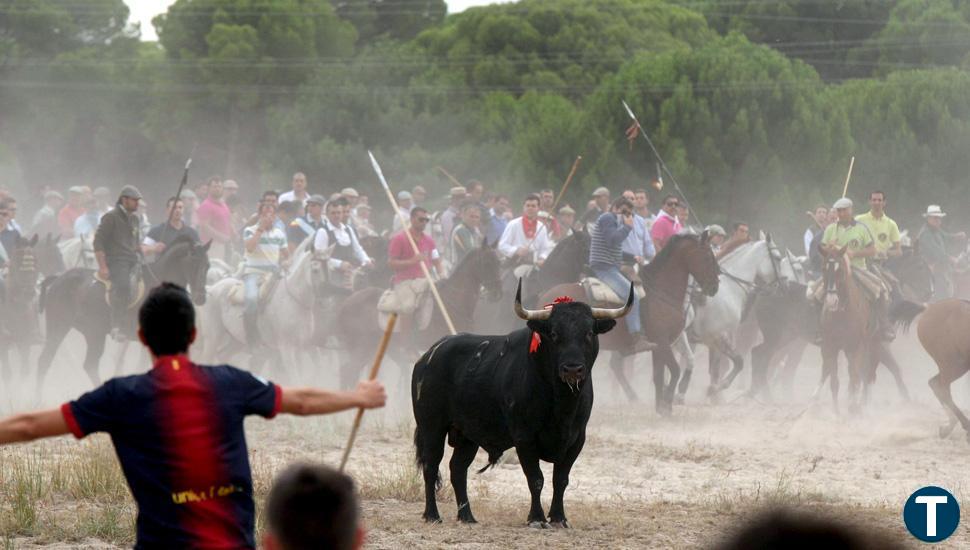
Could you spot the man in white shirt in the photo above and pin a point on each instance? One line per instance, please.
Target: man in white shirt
(525, 240)
(347, 254)
(450, 217)
(299, 192)
(265, 249)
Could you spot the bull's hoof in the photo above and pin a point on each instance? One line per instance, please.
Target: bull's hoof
(465, 515)
(563, 524)
(538, 524)
(434, 520)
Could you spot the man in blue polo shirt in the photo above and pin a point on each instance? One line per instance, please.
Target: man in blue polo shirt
(178, 431)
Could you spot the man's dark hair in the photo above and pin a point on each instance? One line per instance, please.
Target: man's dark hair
(167, 319)
(737, 225)
(787, 529)
(171, 201)
(288, 207)
(473, 184)
(643, 192)
(532, 197)
(621, 202)
(340, 201)
(883, 193)
(313, 506)
(467, 204)
(271, 193)
(417, 211)
(6, 202)
(668, 197)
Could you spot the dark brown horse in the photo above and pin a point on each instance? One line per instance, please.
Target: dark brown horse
(359, 332)
(662, 311)
(845, 327)
(943, 331)
(18, 315)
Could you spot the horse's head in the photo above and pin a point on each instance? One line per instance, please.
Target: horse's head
(185, 262)
(22, 277)
(198, 270)
(488, 268)
(834, 273)
(773, 269)
(915, 278)
(49, 258)
(701, 263)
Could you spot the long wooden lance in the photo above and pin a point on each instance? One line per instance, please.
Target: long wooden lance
(414, 245)
(663, 165)
(375, 368)
(178, 194)
(565, 185)
(845, 188)
(450, 177)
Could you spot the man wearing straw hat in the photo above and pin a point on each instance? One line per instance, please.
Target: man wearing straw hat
(933, 248)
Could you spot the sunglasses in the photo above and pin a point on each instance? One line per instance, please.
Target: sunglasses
(425, 220)
(674, 203)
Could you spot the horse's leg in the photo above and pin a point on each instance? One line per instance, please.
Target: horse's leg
(56, 331)
(95, 339)
(120, 359)
(793, 358)
(687, 354)
(858, 371)
(736, 359)
(886, 358)
(659, 373)
(616, 365)
(940, 384)
(671, 362)
(714, 371)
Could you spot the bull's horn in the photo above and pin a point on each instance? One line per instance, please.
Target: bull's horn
(528, 314)
(614, 313)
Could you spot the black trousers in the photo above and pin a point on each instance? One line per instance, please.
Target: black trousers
(120, 274)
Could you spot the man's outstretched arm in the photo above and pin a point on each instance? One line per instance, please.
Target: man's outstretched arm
(310, 401)
(32, 425)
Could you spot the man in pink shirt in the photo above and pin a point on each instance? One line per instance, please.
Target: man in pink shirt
(666, 225)
(409, 282)
(215, 220)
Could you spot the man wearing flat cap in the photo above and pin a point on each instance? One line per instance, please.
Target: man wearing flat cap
(304, 226)
(117, 247)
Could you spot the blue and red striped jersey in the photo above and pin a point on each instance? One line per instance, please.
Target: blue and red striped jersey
(178, 433)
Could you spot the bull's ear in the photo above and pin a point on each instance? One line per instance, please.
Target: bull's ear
(542, 327)
(602, 326)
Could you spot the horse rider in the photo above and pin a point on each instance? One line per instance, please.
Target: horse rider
(716, 238)
(885, 236)
(638, 247)
(306, 225)
(666, 225)
(408, 282)
(265, 251)
(347, 254)
(467, 235)
(162, 235)
(526, 241)
(819, 223)
(859, 246)
(933, 247)
(606, 256)
(117, 249)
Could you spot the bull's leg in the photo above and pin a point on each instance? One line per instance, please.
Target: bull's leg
(430, 442)
(560, 480)
(529, 459)
(461, 459)
(616, 365)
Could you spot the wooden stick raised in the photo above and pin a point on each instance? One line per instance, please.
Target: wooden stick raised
(375, 368)
(565, 185)
(449, 176)
(845, 188)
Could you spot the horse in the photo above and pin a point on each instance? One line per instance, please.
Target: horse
(942, 330)
(78, 252)
(286, 320)
(77, 300)
(662, 311)
(358, 330)
(50, 262)
(746, 272)
(19, 314)
(565, 264)
(844, 327)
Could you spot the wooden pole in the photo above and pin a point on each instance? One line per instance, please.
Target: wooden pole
(449, 176)
(845, 188)
(405, 223)
(565, 185)
(375, 368)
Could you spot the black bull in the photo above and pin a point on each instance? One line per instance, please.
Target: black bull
(495, 393)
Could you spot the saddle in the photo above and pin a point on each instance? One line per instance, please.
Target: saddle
(414, 300)
(237, 293)
(137, 283)
(599, 293)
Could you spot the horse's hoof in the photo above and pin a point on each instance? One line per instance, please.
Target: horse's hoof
(945, 431)
(679, 399)
(538, 525)
(560, 524)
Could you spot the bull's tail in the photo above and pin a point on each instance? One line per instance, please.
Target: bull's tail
(419, 459)
(903, 313)
(493, 459)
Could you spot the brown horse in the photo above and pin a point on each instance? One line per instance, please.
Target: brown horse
(942, 330)
(845, 327)
(359, 332)
(662, 311)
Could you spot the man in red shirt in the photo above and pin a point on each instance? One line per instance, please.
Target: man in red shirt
(178, 431)
(409, 282)
(215, 220)
(667, 224)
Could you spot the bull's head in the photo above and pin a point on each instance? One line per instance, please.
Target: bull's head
(569, 334)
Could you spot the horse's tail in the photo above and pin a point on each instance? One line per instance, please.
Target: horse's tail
(903, 313)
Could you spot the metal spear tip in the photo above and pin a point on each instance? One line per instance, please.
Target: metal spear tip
(629, 111)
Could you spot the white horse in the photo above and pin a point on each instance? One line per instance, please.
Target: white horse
(744, 271)
(78, 252)
(286, 321)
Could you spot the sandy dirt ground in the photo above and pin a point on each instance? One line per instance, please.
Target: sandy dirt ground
(641, 482)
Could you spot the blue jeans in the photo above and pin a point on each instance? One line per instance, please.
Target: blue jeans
(612, 278)
(251, 286)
